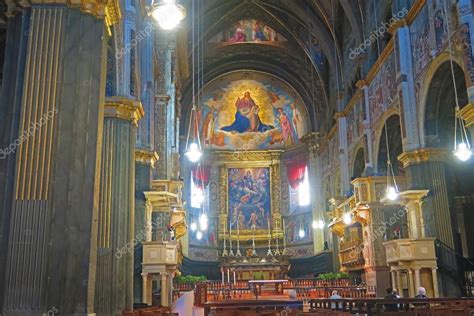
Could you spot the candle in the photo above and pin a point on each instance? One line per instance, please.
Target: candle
(228, 275)
(222, 271)
(235, 282)
(284, 235)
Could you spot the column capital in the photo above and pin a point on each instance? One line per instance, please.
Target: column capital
(162, 98)
(467, 114)
(422, 155)
(146, 157)
(102, 9)
(124, 108)
(312, 141)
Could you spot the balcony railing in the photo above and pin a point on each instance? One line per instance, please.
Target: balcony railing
(410, 249)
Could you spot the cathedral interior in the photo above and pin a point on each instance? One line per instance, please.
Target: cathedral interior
(236, 157)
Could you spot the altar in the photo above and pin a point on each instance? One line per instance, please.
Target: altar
(254, 268)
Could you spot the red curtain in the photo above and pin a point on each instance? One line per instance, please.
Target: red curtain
(200, 174)
(296, 173)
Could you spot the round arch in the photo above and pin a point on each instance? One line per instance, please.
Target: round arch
(358, 165)
(395, 147)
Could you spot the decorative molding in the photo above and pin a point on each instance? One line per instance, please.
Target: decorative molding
(378, 64)
(414, 10)
(312, 141)
(422, 155)
(109, 10)
(467, 114)
(146, 157)
(124, 108)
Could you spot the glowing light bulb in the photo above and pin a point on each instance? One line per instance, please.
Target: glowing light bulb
(347, 218)
(320, 224)
(301, 233)
(391, 193)
(203, 222)
(193, 226)
(168, 14)
(463, 152)
(199, 235)
(193, 153)
(315, 224)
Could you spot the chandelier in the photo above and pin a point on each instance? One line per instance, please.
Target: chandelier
(167, 13)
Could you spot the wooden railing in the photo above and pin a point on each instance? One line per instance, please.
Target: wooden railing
(367, 306)
(380, 306)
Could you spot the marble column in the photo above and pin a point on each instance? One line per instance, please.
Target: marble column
(165, 301)
(393, 275)
(52, 247)
(417, 279)
(434, 276)
(426, 171)
(399, 283)
(145, 288)
(116, 234)
(411, 284)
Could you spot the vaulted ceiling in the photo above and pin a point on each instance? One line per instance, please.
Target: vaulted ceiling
(298, 21)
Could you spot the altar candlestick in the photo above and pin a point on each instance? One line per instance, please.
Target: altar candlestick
(269, 252)
(284, 237)
(235, 282)
(224, 252)
(222, 272)
(228, 275)
(238, 254)
(231, 252)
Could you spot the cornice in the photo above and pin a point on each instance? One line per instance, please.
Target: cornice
(467, 114)
(146, 157)
(124, 108)
(423, 155)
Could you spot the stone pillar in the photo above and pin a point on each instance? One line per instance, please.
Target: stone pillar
(52, 232)
(399, 283)
(411, 284)
(417, 279)
(144, 164)
(413, 201)
(312, 141)
(161, 139)
(344, 162)
(393, 275)
(145, 288)
(116, 238)
(434, 275)
(165, 301)
(406, 88)
(426, 171)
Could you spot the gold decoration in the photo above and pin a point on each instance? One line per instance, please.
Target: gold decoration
(124, 108)
(146, 157)
(109, 10)
(258, 159)
(467, 114)
(422, 155)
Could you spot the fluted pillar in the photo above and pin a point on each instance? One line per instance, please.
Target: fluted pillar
(51, 252)
(116, 238)
(417, 279)
(426, 170)
(399, 283)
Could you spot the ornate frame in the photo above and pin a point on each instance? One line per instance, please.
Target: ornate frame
(245, 159)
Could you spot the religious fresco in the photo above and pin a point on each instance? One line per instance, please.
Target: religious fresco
(248, 31)
(249, 197)
(294, 223)
(440, 26)
(260, 112)
(382, 90)
(301, 251)
(420, 41)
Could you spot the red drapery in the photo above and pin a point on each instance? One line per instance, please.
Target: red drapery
(295, 172)
(200, 174)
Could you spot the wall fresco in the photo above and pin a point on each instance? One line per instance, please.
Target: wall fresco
(248, 31)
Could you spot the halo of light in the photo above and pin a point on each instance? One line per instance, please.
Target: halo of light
(199, 235)
(301, 233)
(320, 224)
(315, 225)
(391, 193)
(193, 153)
(203, 222)
(347, 218)
(193, 226)
(463, 152)
(168, 14)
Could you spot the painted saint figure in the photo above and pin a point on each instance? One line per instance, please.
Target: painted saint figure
(239, 35)
(246, 117)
